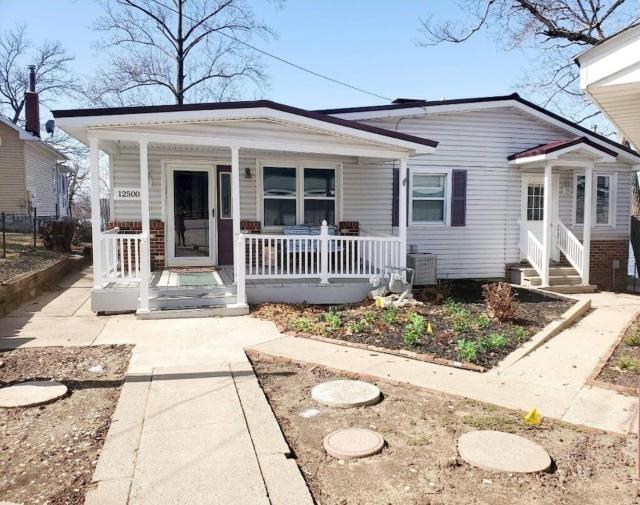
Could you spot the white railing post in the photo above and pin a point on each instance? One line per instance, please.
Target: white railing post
(145, 272)
(241, 294)
(324, 253)
(586, 233)
(547, 223)
(95, 213)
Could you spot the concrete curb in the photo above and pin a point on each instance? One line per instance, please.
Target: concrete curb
(568, 319)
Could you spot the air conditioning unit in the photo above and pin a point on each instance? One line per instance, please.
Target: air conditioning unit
(424, 266)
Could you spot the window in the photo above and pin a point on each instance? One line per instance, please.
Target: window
(280, 196)
(225, 195)
(535, 202)
(428, 198)
(319, 195)
(603, 199)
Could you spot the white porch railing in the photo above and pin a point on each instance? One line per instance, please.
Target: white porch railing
(571, 247)
(120, 256)
(321, 256)
(535, 253)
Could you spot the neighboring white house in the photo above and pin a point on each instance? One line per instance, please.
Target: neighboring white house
(32, 174)
(483, 184)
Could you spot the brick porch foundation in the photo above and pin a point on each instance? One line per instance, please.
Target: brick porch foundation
(601, 273)
(156, 241)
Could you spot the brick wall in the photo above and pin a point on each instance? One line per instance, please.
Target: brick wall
(156, 239)
(603, 252)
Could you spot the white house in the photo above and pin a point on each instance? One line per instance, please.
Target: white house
(32, 173)
(483, 184)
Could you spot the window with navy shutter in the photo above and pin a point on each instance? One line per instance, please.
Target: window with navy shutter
(458, 197)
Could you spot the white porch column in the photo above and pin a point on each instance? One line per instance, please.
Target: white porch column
(235, 207)
(145, 249)
(586, 233)
(403, 184)
(547, 223)
(96, 217)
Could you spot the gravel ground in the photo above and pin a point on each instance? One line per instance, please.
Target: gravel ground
(48, 453)
(420, 465)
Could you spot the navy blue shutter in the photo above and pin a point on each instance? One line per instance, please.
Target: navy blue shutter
(395, 209)
(458, 197)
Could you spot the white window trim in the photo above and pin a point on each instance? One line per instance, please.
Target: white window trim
(613, 178)
(299, 166)
(447, 197)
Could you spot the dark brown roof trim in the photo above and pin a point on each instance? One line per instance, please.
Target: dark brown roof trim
(557, 146)
(513, 96)
(250, 104)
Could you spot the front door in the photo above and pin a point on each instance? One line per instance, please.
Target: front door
(191, 209)
(533, 212)
(225, 217)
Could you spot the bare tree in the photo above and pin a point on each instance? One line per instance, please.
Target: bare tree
(53, 77)
(175, 51)
(557, 29)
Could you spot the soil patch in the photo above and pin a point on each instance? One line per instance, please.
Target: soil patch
(458, 329)
(420, 464)
(48, 453)
(623, 366)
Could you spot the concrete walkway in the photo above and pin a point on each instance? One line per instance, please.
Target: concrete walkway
(552, 378)
(192, 425)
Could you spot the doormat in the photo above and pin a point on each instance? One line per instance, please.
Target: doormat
(198, 279)
(195, 270)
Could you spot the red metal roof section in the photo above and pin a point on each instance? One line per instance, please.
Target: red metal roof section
(557, 145)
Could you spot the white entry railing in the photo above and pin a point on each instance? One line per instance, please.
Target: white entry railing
(120, 255)
(571, 247)
(535, 253)
(320, 256)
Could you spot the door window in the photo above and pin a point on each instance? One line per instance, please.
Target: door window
(535, 202)
(191, 207)
(225, 195)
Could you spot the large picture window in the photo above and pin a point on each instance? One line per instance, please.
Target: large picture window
(428, 198)
(603, 199)
(280, 196)
(319, 195)
(300, 194)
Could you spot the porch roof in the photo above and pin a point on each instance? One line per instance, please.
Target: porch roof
(560, 148)
(78, 122)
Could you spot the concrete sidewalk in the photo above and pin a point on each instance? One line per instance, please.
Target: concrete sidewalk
(192, 425)
(552, 378)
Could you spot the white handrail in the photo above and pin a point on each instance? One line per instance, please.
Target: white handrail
(320, 256)
(571, 247)
(120, 257)
(535, 253)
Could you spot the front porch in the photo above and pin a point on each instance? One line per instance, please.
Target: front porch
(555, 255)
(180, 194)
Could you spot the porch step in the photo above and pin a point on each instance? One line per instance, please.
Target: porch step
(562, 279)
(554, 271)
(216, 311)
(554, 280)
(191, 291)
(166, 301)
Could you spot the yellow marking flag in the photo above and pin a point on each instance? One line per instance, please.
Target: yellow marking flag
(533, 417)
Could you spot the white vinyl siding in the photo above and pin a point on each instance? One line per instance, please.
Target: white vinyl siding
(13, 184)
(41, 170)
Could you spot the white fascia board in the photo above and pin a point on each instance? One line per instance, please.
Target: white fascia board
(258, 113)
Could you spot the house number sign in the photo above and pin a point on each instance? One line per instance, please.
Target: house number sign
(126, 194)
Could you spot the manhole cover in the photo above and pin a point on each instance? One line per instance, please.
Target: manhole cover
(30, 394)
(345, 394)
(352, 443)
(502, 452)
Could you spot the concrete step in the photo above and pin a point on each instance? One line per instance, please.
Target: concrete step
(190, 291)
(219, 311)
(553, 271)
(175, 302)
(571, 290)
(554, 280)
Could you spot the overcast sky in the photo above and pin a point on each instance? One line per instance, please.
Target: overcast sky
(368, 43)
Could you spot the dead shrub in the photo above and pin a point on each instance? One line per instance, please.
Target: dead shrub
(501, 301)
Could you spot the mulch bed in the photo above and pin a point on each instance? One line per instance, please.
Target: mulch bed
(622, 369)
(420, 464)
(48, 453)
(462, 317)
(18, 264)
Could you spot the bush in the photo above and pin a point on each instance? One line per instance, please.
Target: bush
(483, 321)
(389, 315)
(301, 324)
(494, 341)
(519, 334)
(628, 363)
(501, 301)
(467, 350)
(633, 340)
(333, 319)
(357, 326)
(57, 235)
